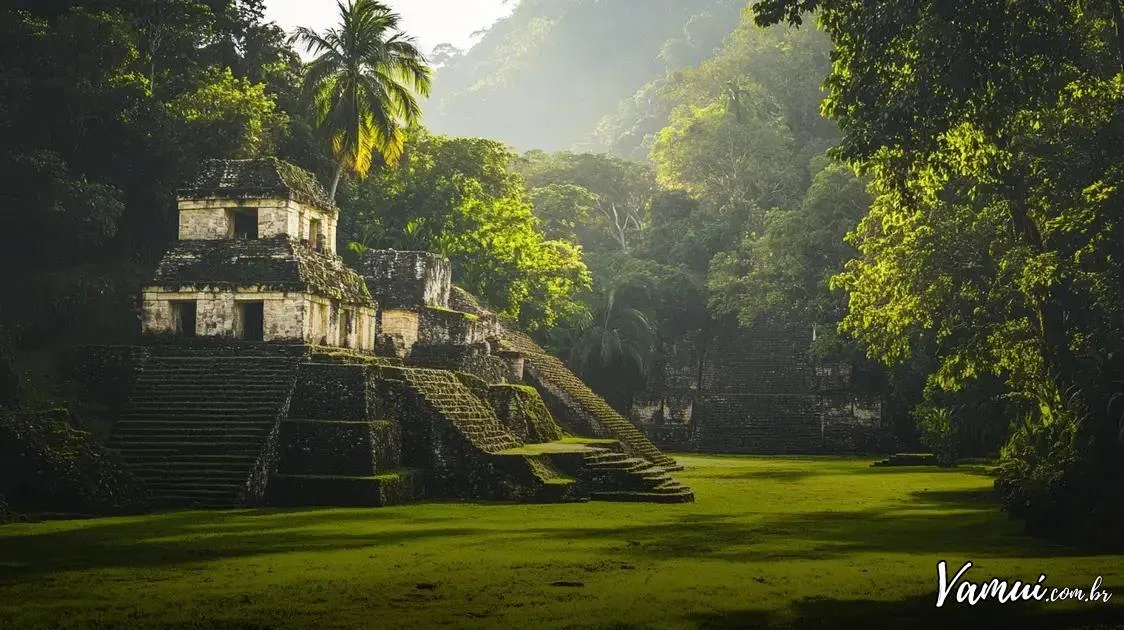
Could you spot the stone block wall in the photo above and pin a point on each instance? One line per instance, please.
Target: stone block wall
(332, 391)
(340, 447)
(473, 359)
(673, 383)
(754, 390)
(298, 317)
(285, 318)
(401, 324)
(766, 358)
(208, 219)
(407, 280)
(216, 312)
(442, 326)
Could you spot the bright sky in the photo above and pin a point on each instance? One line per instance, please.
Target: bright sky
(431, 22)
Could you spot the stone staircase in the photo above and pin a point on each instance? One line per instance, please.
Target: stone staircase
(562, 389)
(472, 417)
(554, 380)
(615, 476)
(908, 459)
(196, 426)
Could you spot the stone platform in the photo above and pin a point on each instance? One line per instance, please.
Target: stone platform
(209, 424)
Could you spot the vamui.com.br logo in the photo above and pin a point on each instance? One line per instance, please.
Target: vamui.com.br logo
(960, 589)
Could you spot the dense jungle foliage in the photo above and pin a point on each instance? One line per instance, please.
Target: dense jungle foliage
(992, 134)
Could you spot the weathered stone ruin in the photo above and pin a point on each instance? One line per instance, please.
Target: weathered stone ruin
(256, 261)
(754, 390)
(272, 374)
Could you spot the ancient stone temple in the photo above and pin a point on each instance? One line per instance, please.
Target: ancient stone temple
(256, 260)
(755, 390)
(270, 373)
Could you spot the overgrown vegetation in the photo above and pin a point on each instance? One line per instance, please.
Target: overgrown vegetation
(991, 133)
(48, 466)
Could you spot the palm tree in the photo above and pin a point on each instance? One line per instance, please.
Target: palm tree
(611, 345)
(361, 86)
(615, 335)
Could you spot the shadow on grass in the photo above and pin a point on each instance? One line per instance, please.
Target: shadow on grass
(982, 471)
(179, 538)
(976, 498)
(931, 523)
(917, 612)
(825, 469)
(758, 475)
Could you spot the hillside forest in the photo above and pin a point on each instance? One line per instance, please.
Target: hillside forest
(934, 188)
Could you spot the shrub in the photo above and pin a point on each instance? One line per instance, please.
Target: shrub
(48, 466)
(938, 433)
(1062, 484)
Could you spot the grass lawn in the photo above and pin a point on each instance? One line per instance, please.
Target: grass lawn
(784, 542)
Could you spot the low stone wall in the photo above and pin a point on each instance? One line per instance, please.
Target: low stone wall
(352, 491)
(407, 280)
(331, 391)
(339, 447)
(473, 359)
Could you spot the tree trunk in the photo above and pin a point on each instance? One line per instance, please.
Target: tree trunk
(1052, 318)
(1118, 21)
(336, 182)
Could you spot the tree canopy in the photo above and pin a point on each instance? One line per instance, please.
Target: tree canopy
(462, 197)
(991, 133)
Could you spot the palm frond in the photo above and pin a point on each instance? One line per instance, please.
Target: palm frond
(364, 83)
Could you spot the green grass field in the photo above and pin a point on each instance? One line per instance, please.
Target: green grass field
(780, 542)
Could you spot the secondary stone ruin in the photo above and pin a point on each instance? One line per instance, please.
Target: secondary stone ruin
(755, 390)
(273, 374)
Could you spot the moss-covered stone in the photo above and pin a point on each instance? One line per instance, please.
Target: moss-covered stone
(407, 280)
(523, 412)
(392, 488)
(274, 264)
(473, 359)
(346, 356)
(263, 177)
(475, 384)
(338, 447)
(330, 391)
(573, 405)
(576, 406)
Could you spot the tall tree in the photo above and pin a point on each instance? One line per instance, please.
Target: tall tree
(991, 131)
(362, 85)
(461, 197)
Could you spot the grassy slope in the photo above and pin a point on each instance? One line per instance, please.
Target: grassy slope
(783, 541)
